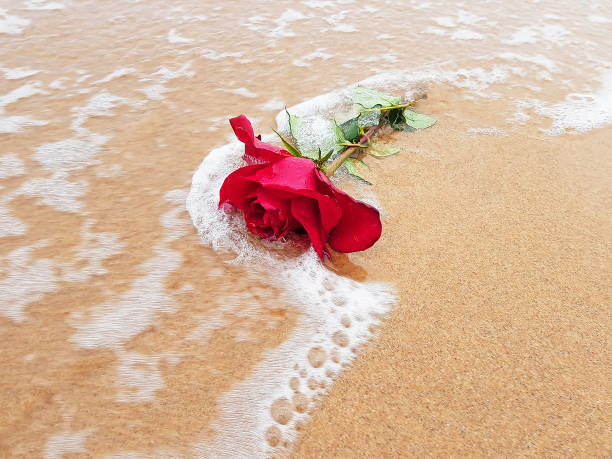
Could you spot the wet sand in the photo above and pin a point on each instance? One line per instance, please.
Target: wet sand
(500, 346)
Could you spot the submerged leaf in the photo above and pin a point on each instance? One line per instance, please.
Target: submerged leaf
(383, 151)
(350, 166)
(369, 119)
(294, 124)
(369, 98)
(350, 130)
(418, 120)
(340, 138)
(396, 119)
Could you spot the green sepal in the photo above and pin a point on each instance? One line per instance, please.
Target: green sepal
(290, 148)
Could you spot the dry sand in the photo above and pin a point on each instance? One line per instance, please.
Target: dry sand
(500, 346)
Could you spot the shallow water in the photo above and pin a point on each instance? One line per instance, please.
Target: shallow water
(122, 332)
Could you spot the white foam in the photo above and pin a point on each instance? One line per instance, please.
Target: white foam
(214, 56)
(67, 155)
(244, 92)
(65, 443)
(116, 74)
(11, 165)
(445, 21)
(435, 31)
(16, 123)
(12, 25)
(18, 73)
(599, 19)
(56, 191)
(534, 33)
(581, 112)
(27, 90)
(9, 224)
(304, 61)
(167, 74)
(113, 323)
(138, 377)
(486, 131)
(175, 38)
(36, 5)
(23, 281)
(155, 91)
(537, 59)
(466, 34)
(273, 104)
(176, 225)
(92, 251)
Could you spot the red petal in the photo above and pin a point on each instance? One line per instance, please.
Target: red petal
(306, 211)
(238, 187)
(255, 151)
(301, 177)
(359, 228)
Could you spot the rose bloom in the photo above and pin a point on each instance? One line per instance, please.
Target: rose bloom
(278, 193)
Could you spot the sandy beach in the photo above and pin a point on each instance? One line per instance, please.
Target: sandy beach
(478, 325)
(500, 249)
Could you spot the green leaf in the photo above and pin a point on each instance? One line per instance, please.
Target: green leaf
(294, 124)
(418, 120)
(350, 130)
(396, 119)
(290, 148)
(340, 138)
(350, 166)
(369, 98)
(381, 152)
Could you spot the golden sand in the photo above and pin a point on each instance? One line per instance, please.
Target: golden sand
(500, 249)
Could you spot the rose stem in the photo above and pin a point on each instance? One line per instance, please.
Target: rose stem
(336, 163)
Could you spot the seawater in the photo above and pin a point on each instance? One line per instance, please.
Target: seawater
(127, 313)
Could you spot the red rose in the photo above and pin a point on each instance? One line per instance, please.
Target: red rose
(278, 193)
